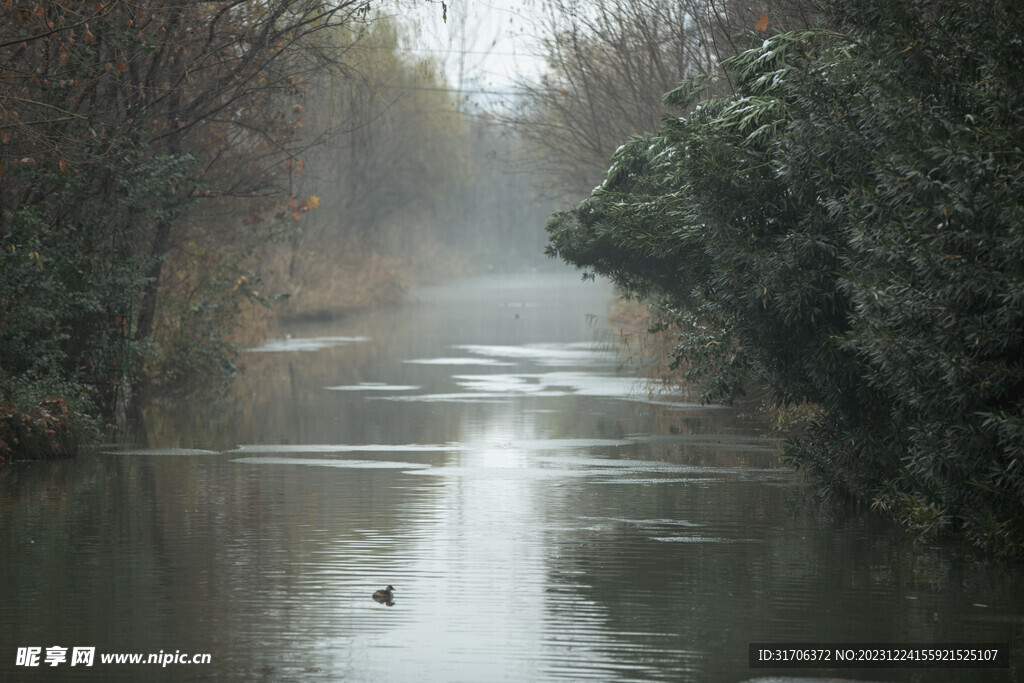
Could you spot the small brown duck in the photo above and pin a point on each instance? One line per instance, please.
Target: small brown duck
(385, 596)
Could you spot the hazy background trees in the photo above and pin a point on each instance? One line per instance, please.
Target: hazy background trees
(410, 183)
(608, 64)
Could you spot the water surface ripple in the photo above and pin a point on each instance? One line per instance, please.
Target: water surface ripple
(483, 450)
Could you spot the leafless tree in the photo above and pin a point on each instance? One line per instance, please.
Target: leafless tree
(610, 62)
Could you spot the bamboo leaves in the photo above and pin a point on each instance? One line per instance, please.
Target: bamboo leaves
(850, 220)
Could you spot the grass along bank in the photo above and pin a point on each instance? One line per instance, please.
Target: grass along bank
(341, 279)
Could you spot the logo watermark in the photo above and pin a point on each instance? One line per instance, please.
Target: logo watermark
(58, 655)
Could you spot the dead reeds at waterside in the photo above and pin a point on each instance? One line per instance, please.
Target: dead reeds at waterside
(48, 431)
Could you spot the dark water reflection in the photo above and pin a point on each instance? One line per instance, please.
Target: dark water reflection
(538, 517)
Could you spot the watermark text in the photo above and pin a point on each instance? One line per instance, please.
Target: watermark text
(58, 655)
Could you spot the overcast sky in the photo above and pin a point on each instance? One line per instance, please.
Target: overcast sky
(483, 45)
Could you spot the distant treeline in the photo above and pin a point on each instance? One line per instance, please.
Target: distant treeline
(836, 218)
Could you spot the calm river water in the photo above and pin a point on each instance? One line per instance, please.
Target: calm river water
(539, 517)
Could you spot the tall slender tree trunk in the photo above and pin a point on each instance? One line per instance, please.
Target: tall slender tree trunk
(147, 306)
(146, 320)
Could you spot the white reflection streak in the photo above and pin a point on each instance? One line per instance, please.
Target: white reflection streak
(475, 552)
(305, 344)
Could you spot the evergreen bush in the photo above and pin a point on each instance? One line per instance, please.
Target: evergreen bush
(845, 229)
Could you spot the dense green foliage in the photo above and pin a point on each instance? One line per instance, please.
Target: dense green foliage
(141, 162)
(70, 272)
(845, 230)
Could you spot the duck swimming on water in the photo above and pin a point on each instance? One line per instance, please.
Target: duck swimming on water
(386, 595)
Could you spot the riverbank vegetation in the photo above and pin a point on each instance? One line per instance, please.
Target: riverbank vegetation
(121, 122)
(835, 217)
(168, 171)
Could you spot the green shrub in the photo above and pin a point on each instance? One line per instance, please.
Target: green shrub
(846, 230)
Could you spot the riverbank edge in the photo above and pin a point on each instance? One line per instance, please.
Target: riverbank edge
(344, 282)
(49, 430)
(52, 429)
(636, 333)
